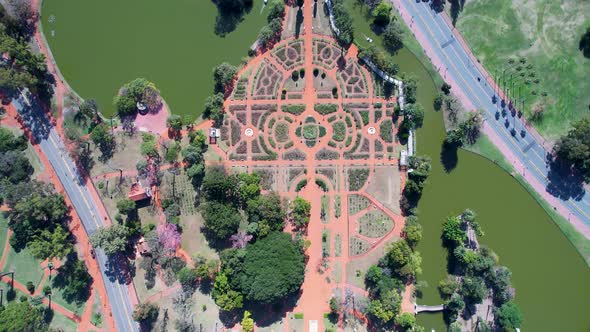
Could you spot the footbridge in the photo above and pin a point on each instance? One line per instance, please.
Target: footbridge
(428, 308)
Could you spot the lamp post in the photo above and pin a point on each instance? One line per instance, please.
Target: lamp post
(50, 267)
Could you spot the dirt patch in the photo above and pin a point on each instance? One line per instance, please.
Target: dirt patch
(385, 187)
(127, 154)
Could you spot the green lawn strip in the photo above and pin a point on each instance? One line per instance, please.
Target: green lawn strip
(485, 148)
(3, 232)
(25, 266)
(326, 243)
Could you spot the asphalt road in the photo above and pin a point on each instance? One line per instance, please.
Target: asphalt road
(49, 141)
(474, 85)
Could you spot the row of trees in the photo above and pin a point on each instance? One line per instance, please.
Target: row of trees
(343, 22)
(39, 217)
(476, 277)
(421, 166)
(271, 33)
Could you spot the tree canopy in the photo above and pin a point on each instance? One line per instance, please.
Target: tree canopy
(574, 147)
(223, 76)
(112, 239)
(393, 37)
(273, 268)
(343, 22)
(21, 316)
(221, 219)
(509, 316)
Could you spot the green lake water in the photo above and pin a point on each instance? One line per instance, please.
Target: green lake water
(552, 280)
(100, 45)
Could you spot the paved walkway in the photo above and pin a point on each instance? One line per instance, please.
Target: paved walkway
(475, 88)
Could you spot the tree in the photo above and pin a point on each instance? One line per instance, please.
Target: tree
(169, 236)
(471, 127)
(146, 313)
(15, 167)
(413, 231)
(217, 185)
(226, 298)
(335, 305)
(21, 316)
(406, 321)
(267, 212)
(473, 290)
(393, 37)
(221, 219)
(386, 307)
(574, 147)
(101, 136)
(453, 234)
(112, 239)
(273, 269)
(214, 108)
(301, 212)
(381, 13)
(74, 280)
(35, 207)
(187, 277)
(414, 115)
(223, 76)
(509, 316)
(126, 206)
(89, 110)
(447, 287)
(174, 122)
(343, 22)
(139, 90)
(247, 322)
(276, 9)
(402, 260)
(10, 142)
(49, 245)
(438, 102)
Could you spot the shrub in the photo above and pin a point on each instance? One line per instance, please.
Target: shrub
(339, 131)
(316, 72)
(322, 131)
(321, 184)
(282, 132)
(357, 178)
(293, 109)
(300, 185)
(324, 109)
(326, 154)
(30, 287)
(386, 131)
(310, 131)
(335, 92)
(302, 72)
(295, 75)
(365, 117)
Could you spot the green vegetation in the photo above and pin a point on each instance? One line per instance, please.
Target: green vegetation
(343, 22)
(293, 109)
(386, 131)
(477, 274)
(497, 33)
(137, 91)
(310, 131)
(324, 109)
(22, 316)
(573, 148)
(339, 129)
(357, 178)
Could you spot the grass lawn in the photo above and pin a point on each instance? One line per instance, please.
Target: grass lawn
(25, 266)
(57, 297)
(3, 232)
(547, 34)
(62, 323)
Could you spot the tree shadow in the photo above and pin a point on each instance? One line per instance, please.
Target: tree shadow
(584, 45)
(68, 274)
(266, 315)
(227, 20)
(564, 181)
(456, 8)
(298, 22)
(448, 156)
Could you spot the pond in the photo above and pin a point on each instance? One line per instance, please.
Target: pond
(100, 45)
(550, 277)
